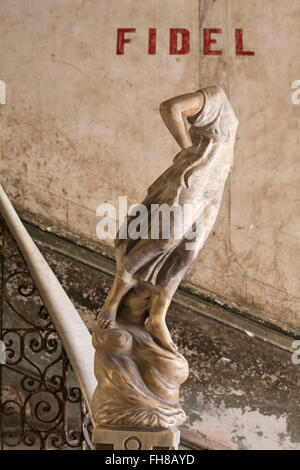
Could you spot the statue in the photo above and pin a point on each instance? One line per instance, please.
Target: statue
(137, 365)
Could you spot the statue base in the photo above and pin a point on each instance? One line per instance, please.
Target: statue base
(108, 438)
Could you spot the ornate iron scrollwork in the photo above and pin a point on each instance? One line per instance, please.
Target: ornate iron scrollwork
(41, 403)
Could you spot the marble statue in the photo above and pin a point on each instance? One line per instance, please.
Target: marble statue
(137, 365)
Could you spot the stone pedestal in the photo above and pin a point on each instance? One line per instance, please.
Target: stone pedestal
(106, 438)
(138, 381)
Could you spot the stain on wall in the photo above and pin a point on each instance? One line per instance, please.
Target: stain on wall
(81, 126)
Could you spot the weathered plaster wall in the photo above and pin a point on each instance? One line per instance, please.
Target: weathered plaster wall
(81, 126)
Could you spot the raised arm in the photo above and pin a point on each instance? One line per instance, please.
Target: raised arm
(173, 111)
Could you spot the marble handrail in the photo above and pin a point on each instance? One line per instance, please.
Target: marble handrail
(72, 331)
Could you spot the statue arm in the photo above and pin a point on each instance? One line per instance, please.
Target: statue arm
(173, 112)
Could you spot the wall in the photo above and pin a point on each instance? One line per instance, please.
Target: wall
(81, 126)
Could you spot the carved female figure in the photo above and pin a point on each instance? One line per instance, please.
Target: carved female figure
(150, 270)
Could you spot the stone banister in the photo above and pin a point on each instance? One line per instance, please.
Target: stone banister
(73, 332)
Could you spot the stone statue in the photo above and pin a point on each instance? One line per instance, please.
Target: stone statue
(137, 365)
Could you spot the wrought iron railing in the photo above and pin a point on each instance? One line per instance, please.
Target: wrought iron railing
(42, 405)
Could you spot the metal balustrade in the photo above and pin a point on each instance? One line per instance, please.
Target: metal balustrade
(48, 350)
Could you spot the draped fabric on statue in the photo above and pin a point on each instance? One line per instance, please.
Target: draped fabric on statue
(196, 177)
